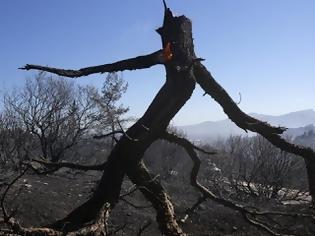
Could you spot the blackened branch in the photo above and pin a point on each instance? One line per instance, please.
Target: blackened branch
(14, 228)
(6, 217)
(144, 227)
(192, 209)
(244, 121)
(157, 196)
(70, 165)
(140, 62)
(165, 5)
(173, 138)
(249, 214)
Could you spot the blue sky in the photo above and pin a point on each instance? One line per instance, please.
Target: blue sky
(264, 50)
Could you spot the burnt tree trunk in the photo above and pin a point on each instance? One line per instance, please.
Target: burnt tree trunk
(183, 70)
(126, 156)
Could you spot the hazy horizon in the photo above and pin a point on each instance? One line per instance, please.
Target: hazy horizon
(250, 113)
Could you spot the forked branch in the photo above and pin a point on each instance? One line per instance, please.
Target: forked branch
(157, 196)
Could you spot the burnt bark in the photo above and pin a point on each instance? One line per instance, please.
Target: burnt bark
(246, 122)
(128, 152)
(156, 194)
(140, 62)
(183, 70)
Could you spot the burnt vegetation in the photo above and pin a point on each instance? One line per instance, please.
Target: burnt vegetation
(65, 150)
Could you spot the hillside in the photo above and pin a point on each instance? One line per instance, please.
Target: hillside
(297, 123)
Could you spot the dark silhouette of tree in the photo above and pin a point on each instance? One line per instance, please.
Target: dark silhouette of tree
(55, 112)
(56, 115)
(111, 114)
(13, 141)
(260, 170)
(183, 70)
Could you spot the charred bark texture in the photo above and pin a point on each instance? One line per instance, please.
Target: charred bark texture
(140, 62)
(128, 152)
(156, 194)
(183, 70)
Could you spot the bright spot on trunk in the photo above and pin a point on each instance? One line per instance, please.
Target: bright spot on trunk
(167, 53)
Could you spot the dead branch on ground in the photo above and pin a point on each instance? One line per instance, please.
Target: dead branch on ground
(251, 214)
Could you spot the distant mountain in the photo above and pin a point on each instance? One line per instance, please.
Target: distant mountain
(301, 131)
(290, 120)
(212, 130)
(307, 138)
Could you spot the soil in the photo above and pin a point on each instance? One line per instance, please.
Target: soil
(40, 200)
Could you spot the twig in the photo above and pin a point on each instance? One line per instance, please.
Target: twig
(173, 138)
(211, 87)
(144, 227)
(240, 100)
(117, 229)
(134, 205)
(131, 190)
(244, 121)
(108, 134)
(125, 134)
(192, 209)
(165, 6)
(7, 217)
(71, 165)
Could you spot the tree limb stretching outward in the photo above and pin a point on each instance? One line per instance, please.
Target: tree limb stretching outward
(140, 62)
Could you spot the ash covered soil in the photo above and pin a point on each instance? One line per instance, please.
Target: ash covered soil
(40, 200)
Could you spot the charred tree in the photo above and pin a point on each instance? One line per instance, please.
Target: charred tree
(183, 71)
(178, 57)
